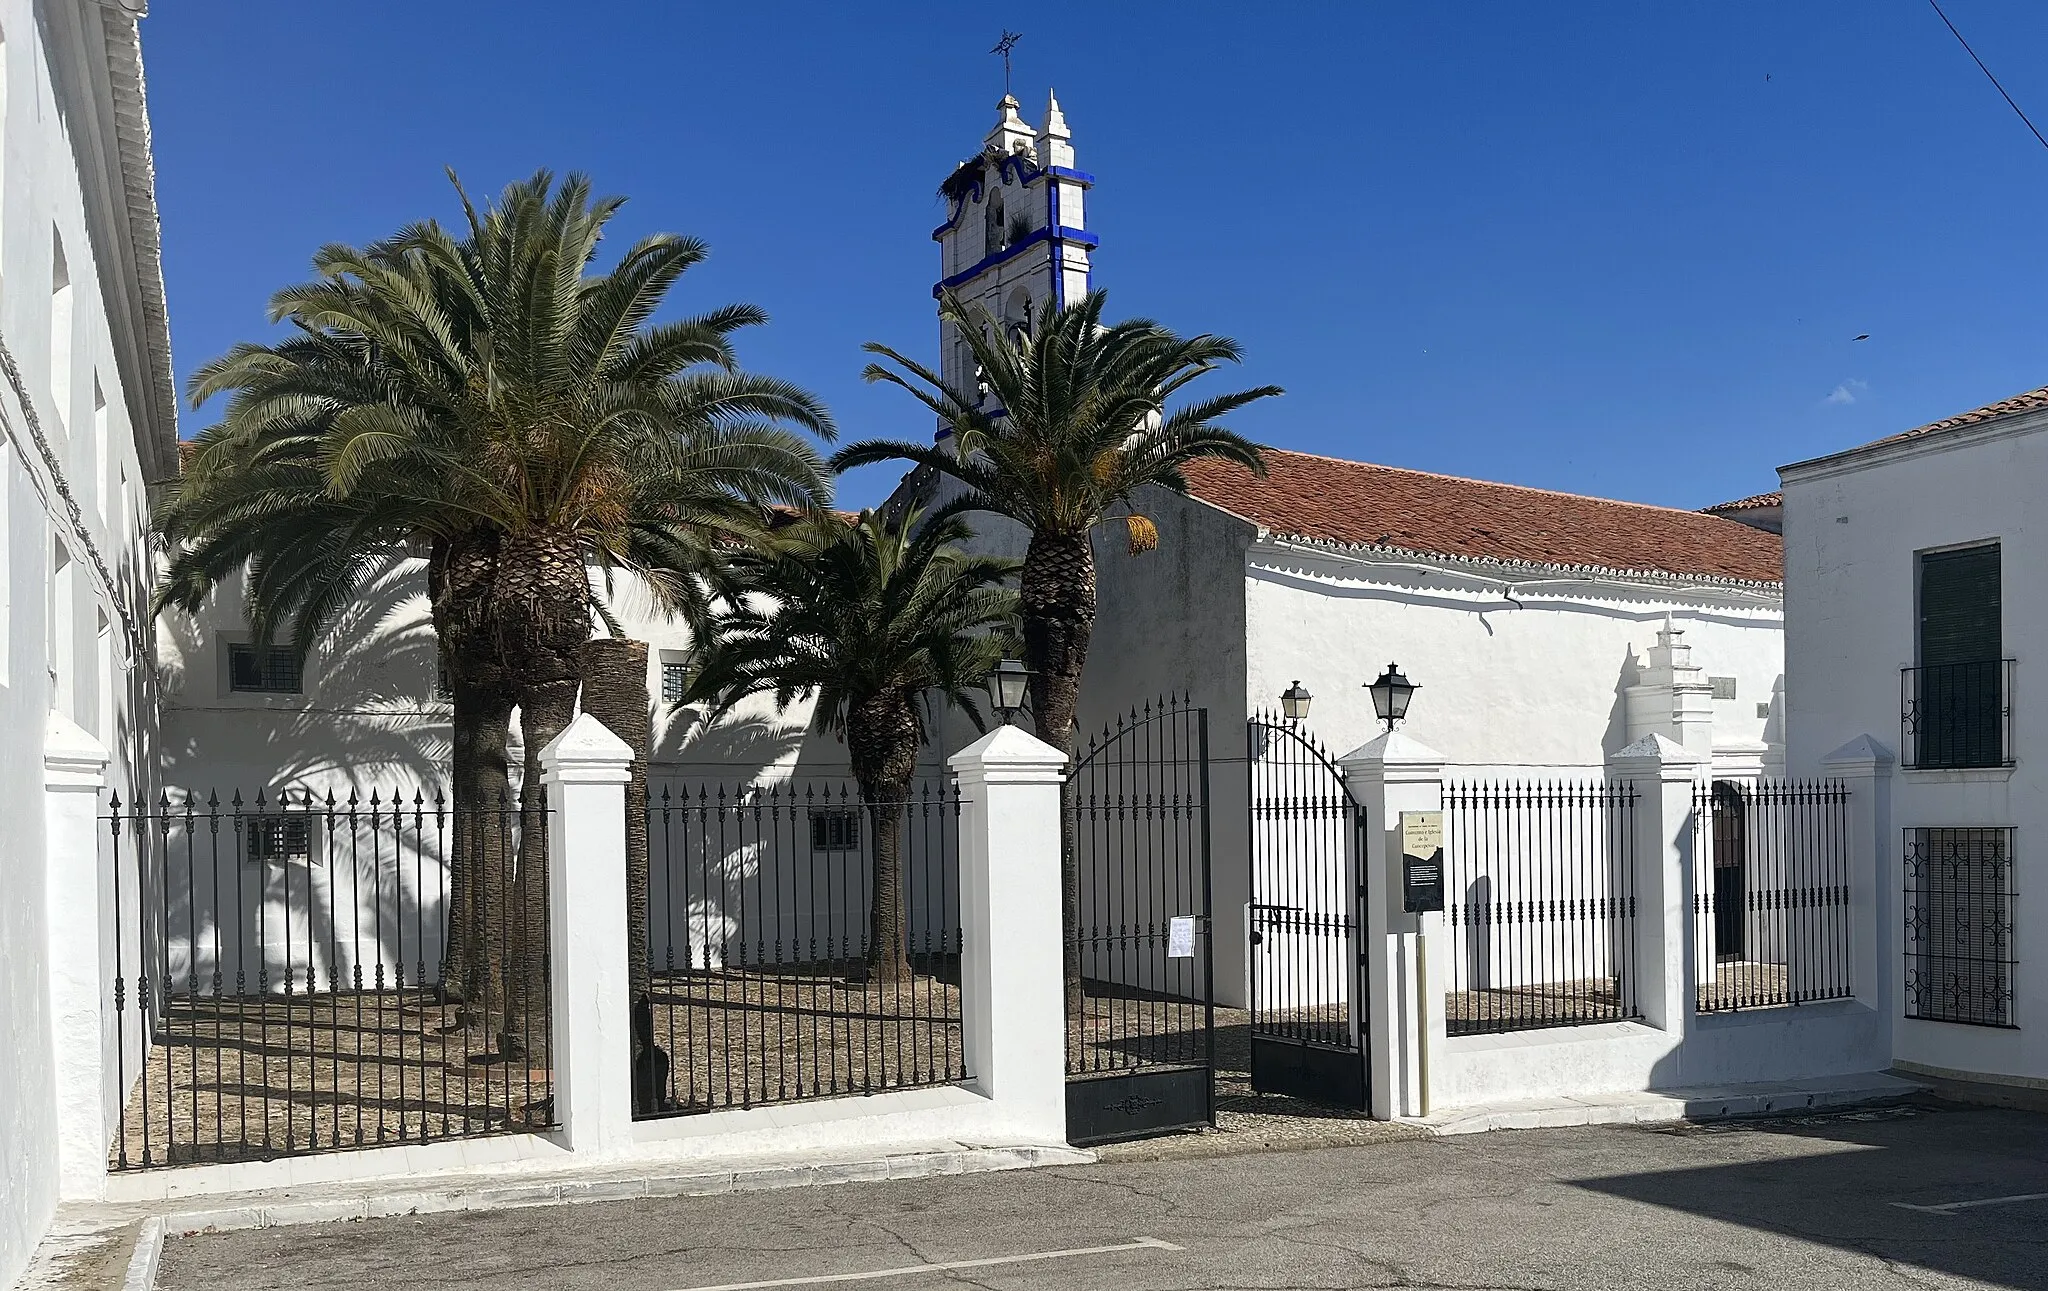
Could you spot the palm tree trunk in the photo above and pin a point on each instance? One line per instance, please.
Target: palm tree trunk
(881, 741)
(541, 616)
(459, 573)
(1057, 600)
(482, 815)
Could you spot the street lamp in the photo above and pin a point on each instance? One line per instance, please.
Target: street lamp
(1294, 702)
(1006, 685)
(1390, 695)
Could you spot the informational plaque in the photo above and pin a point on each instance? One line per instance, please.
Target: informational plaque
(1180, 937)
(1422, 861)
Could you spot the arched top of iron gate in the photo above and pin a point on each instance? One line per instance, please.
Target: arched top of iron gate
(1174, 718)
(1275, 724)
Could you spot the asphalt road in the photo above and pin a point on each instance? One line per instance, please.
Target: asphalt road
(1826, 1202)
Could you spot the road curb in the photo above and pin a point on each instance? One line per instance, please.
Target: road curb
(506, 1194)
(149, 1249)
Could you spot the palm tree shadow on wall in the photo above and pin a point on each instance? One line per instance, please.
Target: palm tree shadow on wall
(236, 891)
(369, 719)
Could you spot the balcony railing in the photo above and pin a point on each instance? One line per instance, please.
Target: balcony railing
(1957, 714)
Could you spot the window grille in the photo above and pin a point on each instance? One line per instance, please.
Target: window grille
(1960, 954)
(263, 669)
(279, 838)
(675, 681)
(835, 829)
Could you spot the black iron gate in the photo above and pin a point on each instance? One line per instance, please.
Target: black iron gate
(1307, 965)
(1141, 1014)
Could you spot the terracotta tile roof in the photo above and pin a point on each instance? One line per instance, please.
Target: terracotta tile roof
(2030, 401)
(1753, 502)
(1327, 499)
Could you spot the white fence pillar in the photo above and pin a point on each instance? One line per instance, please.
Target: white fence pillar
(1665, 775)
(1877, 963)
(1012, 993)
(82, 1022)
(585, 769)
(1403, 992)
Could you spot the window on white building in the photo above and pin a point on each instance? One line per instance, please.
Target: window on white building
(1960, 956)
(60, 635)
(263, 669)
(100, 473)
(60, 330)
(835, 829)
(994, 230)
(1956, 695)
(277, 838)
(675, 678)
(104, 666)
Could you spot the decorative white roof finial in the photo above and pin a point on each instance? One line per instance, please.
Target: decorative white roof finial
(1055, 120)
(1055, 141)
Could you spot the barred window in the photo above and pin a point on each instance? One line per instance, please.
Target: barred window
(263, 669)
(675, 681)
(835, 829)
(1960, 956)
(278, 838)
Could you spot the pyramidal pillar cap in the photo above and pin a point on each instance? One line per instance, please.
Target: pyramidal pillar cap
(1055, 120)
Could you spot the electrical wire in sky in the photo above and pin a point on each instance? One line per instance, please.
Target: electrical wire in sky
(2017, 109)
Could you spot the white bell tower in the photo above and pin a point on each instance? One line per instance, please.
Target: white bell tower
(1015, 240)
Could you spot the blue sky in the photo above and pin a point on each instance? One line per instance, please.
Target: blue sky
(1613, 248)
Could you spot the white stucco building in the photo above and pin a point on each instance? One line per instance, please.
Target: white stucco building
(1909, 606)
(88, 416)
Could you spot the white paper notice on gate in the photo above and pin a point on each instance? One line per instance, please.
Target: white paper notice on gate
(1180, 937)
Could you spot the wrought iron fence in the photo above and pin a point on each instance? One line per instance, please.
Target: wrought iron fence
(1771, 894)
(1960, 898)
(1957, 714)
(1540, 904)
(771, 977)
(282, 973)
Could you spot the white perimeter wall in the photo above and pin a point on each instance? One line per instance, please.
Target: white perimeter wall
(1852, 531)
(71, 629)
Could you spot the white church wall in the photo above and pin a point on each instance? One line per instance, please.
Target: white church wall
(1853, 530)
(73, 584)
(1519, 675)
(1521, 683)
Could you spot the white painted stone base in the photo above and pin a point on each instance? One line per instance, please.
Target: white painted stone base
(1699, 1103)
(864, 1126)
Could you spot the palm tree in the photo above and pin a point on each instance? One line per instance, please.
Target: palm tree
(875, 619)
(1074, 422)
(493, 397)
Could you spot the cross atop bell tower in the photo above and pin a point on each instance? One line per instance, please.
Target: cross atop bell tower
(1015, 240)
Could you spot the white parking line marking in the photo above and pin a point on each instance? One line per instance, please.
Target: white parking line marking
(1137, 1244)
(1951, 1207)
